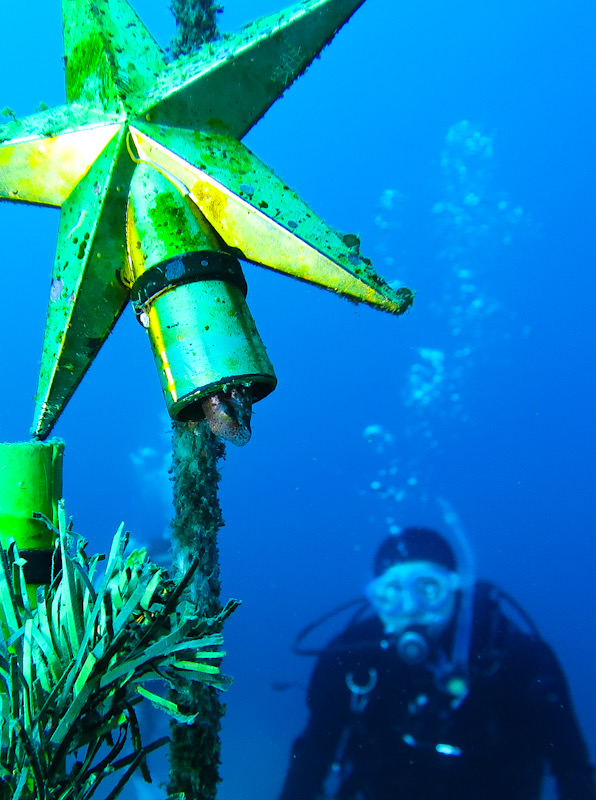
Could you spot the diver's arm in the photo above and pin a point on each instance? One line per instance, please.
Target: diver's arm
(314, 750)
(564, 744)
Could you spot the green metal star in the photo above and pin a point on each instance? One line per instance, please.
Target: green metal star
(125, 105)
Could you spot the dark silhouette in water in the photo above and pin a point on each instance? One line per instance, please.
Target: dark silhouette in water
(446, 692)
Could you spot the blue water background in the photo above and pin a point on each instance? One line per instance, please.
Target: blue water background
(506, 432)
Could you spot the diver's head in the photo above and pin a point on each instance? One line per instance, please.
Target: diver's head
(415, 587)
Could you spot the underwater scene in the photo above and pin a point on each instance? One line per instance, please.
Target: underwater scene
(452, 145)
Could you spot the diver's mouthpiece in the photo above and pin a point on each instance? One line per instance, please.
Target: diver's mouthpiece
(412, 647)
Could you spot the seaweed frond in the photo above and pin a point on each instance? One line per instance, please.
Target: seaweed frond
(73, 668)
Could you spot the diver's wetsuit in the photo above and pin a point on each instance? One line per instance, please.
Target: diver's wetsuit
(516, 719)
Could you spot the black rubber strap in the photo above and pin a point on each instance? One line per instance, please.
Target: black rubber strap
(38, 568)
(206, 265)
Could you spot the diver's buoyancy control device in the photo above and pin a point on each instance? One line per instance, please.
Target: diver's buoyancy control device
(492, 608)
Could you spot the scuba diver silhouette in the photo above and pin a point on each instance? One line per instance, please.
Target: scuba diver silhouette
(445, 692)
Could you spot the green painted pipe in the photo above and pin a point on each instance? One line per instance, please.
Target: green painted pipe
(31, 481)
(189, 293)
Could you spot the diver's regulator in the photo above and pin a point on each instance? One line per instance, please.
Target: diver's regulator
(412, 647)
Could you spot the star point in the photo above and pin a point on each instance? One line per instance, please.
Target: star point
(126, 105)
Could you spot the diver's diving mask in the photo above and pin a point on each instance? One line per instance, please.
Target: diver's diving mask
(414, 593)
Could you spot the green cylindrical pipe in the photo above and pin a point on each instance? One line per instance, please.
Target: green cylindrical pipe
(31, 481)
(190, 296)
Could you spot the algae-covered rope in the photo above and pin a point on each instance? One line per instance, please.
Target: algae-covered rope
(195, 23)
(195, 749)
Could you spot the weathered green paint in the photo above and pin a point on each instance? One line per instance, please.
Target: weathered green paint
(76, 157)
(234, 166)
(110, 56)
(160, 221)
(86, 294)
(88, 63)
(30, 482)
(259, 62)
(202, 334)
